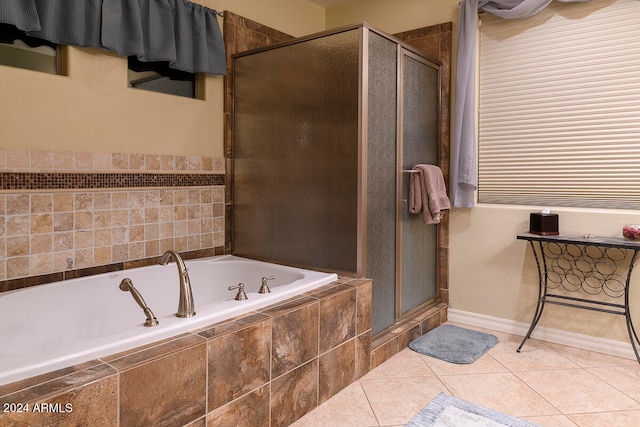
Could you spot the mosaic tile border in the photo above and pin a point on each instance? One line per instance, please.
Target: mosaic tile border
(66, 181)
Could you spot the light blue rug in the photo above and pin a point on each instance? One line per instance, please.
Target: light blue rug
(448, 411)
(454, 344)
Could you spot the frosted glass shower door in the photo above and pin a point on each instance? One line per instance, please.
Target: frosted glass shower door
(295, 179)
(419, 134)
(382, 165)
(323, 127)
(403, 130)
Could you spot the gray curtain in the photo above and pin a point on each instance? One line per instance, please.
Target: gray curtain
(464, 163)
(72, 22)
(183, 33)
(22, 14)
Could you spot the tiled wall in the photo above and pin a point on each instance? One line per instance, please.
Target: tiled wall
(388, 343)
(266, 368)
(63, 212)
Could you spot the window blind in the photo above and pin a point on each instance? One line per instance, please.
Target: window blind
(559, 107)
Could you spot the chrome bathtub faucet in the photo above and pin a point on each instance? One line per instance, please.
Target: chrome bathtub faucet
(185, 303)
(127, 285)
(241, 295)
(264, 289)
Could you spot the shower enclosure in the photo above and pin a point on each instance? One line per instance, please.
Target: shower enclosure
(326, 130)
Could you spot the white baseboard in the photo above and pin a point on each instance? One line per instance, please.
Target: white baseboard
(572, 339)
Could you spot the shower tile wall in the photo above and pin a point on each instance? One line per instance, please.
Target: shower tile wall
(64, 214)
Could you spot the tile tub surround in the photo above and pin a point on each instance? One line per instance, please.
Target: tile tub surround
(71, 211)
(266, 368)
(392, 341)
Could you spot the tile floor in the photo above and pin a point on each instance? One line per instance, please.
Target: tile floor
(548, 384)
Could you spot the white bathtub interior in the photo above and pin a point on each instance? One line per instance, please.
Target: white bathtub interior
(64, 323)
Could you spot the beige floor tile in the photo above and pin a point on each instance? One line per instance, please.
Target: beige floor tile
(405, 364)
(608, 419)
(502, 392)
(348, 408)
(535, 355)
(575, 391)
(548, 384)
(590, 359)
(396, 401)
(485, 364)
(626, 379)
(551, 421)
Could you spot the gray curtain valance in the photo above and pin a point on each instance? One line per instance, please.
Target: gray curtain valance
(72, 22)
(181, 32)
(22, 14)
(184, 34)
(464, 162)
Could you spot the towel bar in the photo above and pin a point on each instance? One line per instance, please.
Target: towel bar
(409, 171)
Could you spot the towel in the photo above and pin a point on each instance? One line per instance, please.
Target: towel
(428, 193)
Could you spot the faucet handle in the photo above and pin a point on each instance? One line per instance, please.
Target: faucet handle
(264, 289)
(241, 295)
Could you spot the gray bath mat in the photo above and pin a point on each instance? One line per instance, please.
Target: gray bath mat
(447, 410)
(454, 344)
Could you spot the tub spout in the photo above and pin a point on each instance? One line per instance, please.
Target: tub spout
(127, 285)
(185, 303)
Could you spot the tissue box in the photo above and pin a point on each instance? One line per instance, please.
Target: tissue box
(543, 224)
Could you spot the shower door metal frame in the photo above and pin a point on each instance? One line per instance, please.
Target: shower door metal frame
(363, 137)
(402, 50)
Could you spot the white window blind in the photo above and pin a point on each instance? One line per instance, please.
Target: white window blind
(559, 107)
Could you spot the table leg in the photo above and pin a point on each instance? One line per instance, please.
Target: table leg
(633, 336)
(541, 293)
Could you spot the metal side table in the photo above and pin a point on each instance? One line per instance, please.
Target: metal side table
(591, 266)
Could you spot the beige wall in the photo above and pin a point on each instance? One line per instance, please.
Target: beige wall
(92, 109)
(493, 274)
(394, 16)
(490, 272)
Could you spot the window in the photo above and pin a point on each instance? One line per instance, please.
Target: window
(559, 101)
(158, 77)
(17, 49)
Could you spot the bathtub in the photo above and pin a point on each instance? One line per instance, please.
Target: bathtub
(53, 326)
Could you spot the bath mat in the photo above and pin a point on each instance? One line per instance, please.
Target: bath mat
(449, 411)
(454, 344)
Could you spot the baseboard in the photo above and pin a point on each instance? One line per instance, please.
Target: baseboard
(572, 339)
